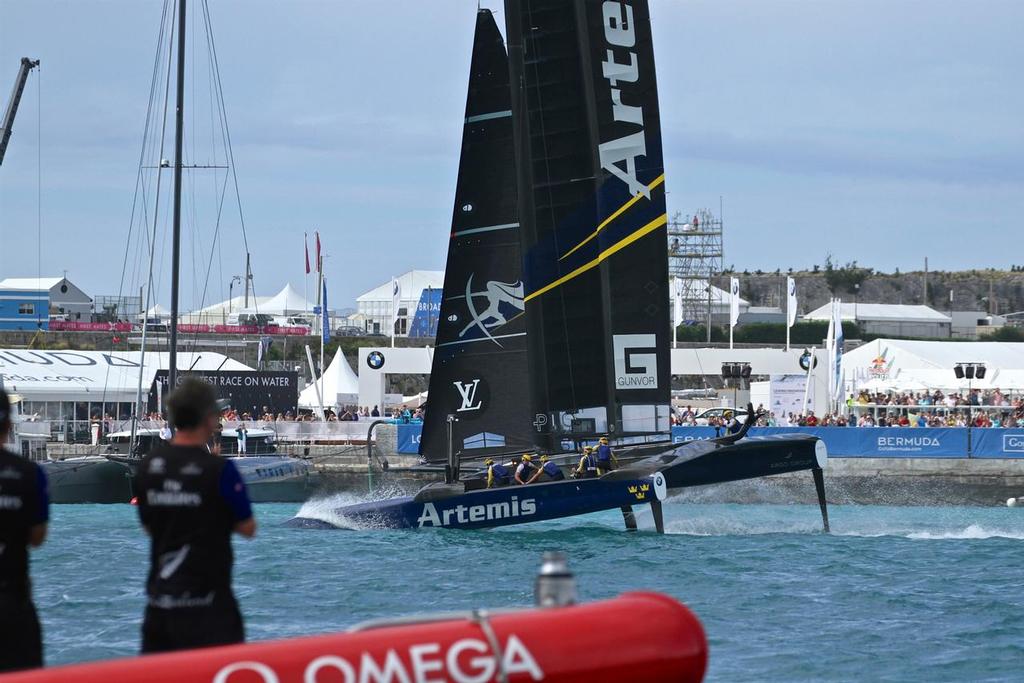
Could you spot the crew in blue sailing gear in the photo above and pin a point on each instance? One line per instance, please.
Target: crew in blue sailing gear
(497, 474)
(606, 460)
(190, 502)
(525, 470)
(24, 513)
(587, 468)
(548, 470)
(732, 425)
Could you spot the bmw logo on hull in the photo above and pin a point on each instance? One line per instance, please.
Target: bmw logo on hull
(375, 360)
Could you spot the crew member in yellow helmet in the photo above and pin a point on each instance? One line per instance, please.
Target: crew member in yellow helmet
(525, 470)
(497, 474)
(548, 471)
(606, 460)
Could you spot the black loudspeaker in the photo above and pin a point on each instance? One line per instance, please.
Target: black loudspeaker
(969, 371)
(958, 370)
(980, 372)
(727, 370)
(745, 372)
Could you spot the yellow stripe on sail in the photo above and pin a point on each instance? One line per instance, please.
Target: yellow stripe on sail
(618, 212)
(621, 244)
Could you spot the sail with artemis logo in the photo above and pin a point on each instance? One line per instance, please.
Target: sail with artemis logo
(592, 208)
(479, 364)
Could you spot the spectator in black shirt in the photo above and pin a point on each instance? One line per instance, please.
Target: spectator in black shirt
(190, 502)
(24, 514)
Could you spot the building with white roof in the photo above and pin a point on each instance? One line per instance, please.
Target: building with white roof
(891, 320)
(374, 308)
(28, 303)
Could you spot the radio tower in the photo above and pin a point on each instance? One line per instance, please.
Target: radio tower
(695, 256)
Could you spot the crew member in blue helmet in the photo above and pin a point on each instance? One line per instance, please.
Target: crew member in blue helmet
(24, 514)
(606, 460)
(497, 474)
(548, 470)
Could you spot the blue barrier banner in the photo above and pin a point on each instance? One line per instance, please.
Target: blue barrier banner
(997, 443)
(867, 442)
(409, 438)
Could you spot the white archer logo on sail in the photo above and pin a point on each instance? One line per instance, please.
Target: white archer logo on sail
(496, 295)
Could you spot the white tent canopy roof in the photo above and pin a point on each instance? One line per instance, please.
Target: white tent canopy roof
(895, 312)
(410, 285)
(286, 302)
(94, 375)
(915, 365)
(339, 385)
(156, 311)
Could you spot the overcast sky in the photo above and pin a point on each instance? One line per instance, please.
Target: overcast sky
(879, 130)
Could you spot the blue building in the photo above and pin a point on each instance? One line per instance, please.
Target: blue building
(29, 303)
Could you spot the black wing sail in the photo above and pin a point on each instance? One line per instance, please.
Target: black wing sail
(479, 369)
(592, 205)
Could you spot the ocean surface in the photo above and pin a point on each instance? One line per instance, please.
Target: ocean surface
(893, 594)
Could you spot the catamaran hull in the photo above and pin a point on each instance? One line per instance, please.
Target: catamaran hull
(497, 507)
(749, 458)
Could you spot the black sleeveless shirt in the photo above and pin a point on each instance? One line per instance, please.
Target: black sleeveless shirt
(22, 506)
(189, 523)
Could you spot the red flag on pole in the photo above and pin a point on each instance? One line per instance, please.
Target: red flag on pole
(305, 243)
(319, 261)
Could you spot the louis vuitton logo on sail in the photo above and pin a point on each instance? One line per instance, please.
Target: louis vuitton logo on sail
(618, 156)
(468, 394)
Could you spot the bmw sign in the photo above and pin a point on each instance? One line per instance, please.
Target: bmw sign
(806, 358)
(375, 360)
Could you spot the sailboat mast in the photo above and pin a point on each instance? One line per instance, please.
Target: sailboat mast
(179, 116)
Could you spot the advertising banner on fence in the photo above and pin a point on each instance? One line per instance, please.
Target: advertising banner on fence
(249, 391)
(409, 438)
(997, 443)
(853, 442)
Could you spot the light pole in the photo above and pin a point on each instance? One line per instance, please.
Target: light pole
(970, 371)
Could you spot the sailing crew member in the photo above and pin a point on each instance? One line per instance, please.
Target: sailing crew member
(525, 470)
(587, 469)
(24, 513)
(606, 460)
(190, 501)
(549, 470)
(732, 425)
(497, 474)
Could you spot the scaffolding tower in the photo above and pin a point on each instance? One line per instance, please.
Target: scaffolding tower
(695, 255)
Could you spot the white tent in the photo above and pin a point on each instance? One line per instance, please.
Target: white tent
(339, 386)
(916, 365)
(220, 313)
(286, 302)
(156, 311)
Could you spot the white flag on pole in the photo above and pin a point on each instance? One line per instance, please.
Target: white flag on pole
(677, 302)
(396, 295)
(790, 302)
(837, 353)
(734, 302)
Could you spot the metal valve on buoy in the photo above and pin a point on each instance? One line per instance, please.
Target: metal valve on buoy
(555, 585)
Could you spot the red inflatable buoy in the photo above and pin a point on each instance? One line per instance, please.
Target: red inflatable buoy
(637, 637)
(134, 500)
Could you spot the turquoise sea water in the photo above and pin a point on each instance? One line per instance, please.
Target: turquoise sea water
(894, 594)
